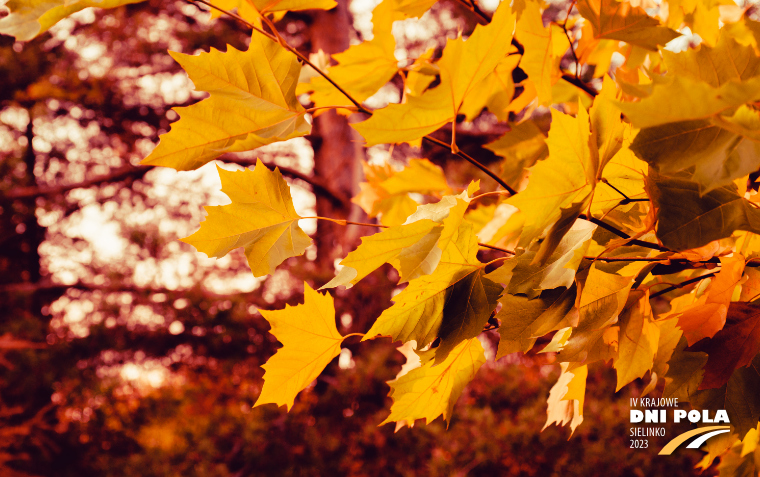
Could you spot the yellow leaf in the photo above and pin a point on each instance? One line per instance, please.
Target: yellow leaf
(414, 248)
(565, 178)
(602, 299)
(386, 191)
(245, 8)
(615, 20)
(252, 103)
(310, 340)
(521, 147)
(29, 18)
(268, 6)
(463, 66)
(376, 56)
(433, 389)
(453, 303)
(626, 173)
(607, 129)
(637, 344)
(708, 315)
(538, 61)
(494, 92)
(565, 402)
(385, 247)
(261, 218)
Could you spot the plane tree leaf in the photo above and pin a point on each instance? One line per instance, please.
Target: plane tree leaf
(602, 298)
(261, 219)
(375, 55)
(539, 60)
(520, 148)
(733, 347)
(738, 397)
(453, 303)
(310, 340)
(566, 177)
(271, 6)
(252, 103)
(414, 248)
(708, 314)
(714, 155)
(566, 397)
(558, 270)
(637, 342)
(688, 220)
(432, 389)
(615, 20)
(522, 320)
(29, 18)
(463, 66)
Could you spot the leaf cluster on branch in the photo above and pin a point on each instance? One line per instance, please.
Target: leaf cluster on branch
(627, 234)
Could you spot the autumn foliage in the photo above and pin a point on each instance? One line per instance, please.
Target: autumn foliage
(619, 224)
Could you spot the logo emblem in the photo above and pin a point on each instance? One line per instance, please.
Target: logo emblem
(706, 433)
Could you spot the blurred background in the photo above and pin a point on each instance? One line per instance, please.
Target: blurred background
(123, 352)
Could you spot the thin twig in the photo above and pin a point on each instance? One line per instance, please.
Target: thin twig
(624, 235)
(683, 284)
(475, 163)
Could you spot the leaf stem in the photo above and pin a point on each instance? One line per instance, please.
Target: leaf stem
(475, 163)
(311, 110)
(624, 235)
(683, 284)
(353, 334)
(347, 222)
(493, 247)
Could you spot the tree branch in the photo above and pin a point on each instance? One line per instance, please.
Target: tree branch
(683, 284)
(117, 175)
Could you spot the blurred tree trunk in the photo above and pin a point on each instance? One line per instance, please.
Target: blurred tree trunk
(337, 147)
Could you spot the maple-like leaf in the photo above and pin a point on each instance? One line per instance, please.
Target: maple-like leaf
(463, 66)
(637, 342)
(558, 270)
(414, 248)
(521, 148)
(733, 347)
(566, 397)
(602, 298)
(707, 315)
(271, 6)
(566, 177)
(685, 371)
(523, 320)
(713, 156)
(615, 20)
(738, 397)
(261, 219)
(687, 219)
(252, 103)
(539, 60)
(433, 389)
(375, 55)
(29, 18)
(310, 340)
(453, 303)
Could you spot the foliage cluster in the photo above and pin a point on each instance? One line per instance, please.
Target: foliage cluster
(624, 232)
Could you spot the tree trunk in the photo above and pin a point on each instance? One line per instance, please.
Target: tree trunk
(337, 147)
